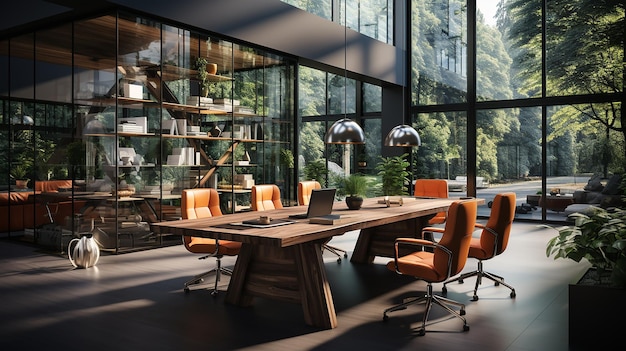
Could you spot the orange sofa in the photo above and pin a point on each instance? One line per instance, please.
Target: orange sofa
(20, 210)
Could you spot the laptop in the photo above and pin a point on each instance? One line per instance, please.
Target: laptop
(320, 204)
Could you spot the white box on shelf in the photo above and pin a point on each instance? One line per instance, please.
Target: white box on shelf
(133, 91)
(174, 160)
(182, 126)
(138, 121)
(170, 125)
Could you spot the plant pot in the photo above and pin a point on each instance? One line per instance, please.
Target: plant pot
(354, 202)
(592, 313)
(21, 183)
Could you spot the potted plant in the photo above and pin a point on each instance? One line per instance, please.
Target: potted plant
(393, 172)
(353, 188)
(599, 237)
(20, 174)
(203, 75)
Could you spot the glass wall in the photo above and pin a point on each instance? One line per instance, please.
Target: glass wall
(373, 18)
(523, 138)
(111, 117)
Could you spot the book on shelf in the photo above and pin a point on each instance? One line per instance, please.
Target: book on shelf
(226, 102)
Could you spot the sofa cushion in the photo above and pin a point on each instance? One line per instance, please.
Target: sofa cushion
(48, 186)
(14, 197)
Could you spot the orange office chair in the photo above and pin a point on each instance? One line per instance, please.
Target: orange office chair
(265, 197)
(447, 259)
(433, 188)
(304, 196)
(492, 242)
(202, 203)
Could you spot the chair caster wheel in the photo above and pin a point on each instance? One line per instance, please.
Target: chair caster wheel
(385, 318)
(460, 281)
(462, 312)
(474, 298)
(345, 255)
(465, 328)
(421, 332)
(513, 294)
(496, 283)
(186, 289)
(214, 293)
(339, 260)
(444, 290)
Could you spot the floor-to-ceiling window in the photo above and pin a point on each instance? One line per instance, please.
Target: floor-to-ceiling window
(541, 84)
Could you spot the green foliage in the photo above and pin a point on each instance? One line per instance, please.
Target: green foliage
(205, 83)
(286, 158)
(599, 237)
(393, 171)
(353, 185)
(316, 170)
(21, 171)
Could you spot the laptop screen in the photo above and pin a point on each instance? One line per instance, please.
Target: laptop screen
(321, 202)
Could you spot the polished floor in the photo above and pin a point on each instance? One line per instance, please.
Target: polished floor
(135, 301)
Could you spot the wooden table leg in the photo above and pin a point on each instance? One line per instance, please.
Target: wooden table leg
(294, 274)
(379, 241)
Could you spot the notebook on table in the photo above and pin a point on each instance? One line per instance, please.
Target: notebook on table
(320, 204)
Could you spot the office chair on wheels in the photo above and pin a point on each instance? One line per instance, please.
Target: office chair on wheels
(447, 259)
(492, 242)
(304, 195)
(202, 203)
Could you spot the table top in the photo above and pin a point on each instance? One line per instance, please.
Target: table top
(371, 214)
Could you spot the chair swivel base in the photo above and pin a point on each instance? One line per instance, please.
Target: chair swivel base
(336, 251)
(429, 299)
(479, 274)
(218, 271)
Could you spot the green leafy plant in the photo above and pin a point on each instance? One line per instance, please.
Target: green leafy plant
(316, 170)
(286, 158)
(600, 238)
(205, 83)
(353, 185)
(20, 172)
(393, 172)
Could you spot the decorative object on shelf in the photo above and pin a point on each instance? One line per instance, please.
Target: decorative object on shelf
(215, 131)
(211, 68)
(205, 83)
(85, 253)
(555, 191)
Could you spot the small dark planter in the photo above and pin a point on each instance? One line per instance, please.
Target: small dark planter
(595, 312)
(354, 202)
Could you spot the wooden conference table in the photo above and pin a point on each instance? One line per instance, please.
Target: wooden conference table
(285, 262)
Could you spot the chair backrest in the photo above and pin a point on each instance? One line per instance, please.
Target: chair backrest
(457, 236)
(431, 187)
(305, 188)
(265, 197)
(500, 221)
(200, 203)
